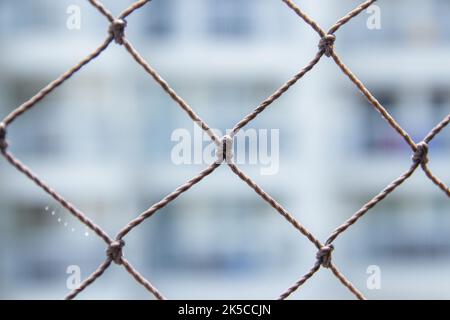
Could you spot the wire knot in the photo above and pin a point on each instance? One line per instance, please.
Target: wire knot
(117, 29)
(421, 154)
(114, 251)
(225, 150)
(3, 142)
(323, 256)
(326, 44)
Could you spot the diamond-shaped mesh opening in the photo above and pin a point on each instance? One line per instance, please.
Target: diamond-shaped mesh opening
(116, 245)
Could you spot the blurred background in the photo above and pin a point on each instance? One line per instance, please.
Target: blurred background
(103, 140)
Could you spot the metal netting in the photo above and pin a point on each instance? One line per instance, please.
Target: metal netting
(224, 147)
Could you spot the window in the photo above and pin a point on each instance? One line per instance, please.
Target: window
(431, 27)
(377, 134)
(230, 18)
(440, 101)
(235, 94)
(25, 15)
(158, 18)
(440, 108)
(416, 109)
(411, 226)
(440, 13)
(216, 234)
(36, 132)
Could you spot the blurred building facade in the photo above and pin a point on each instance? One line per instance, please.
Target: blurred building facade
(103, 141)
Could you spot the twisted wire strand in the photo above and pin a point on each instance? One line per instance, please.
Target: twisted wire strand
(89, 280)
(55, 195)
(142, 280)
(352, 14)
(305, 17)
(277, 94)
(102, 9)
(274, 204)
(358, 294)
(56, 83)
(374, 102)
(300, 282)
(166, 87)
(437, 129)
(435, 179)
(372, 203)
(169, 198)
(135, 6)
(429, 137)
(311, 272)
(224, 150)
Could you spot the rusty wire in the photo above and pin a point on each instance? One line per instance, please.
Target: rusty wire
(114, 246)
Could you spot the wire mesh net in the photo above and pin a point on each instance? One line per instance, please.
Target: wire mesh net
(224, 146)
